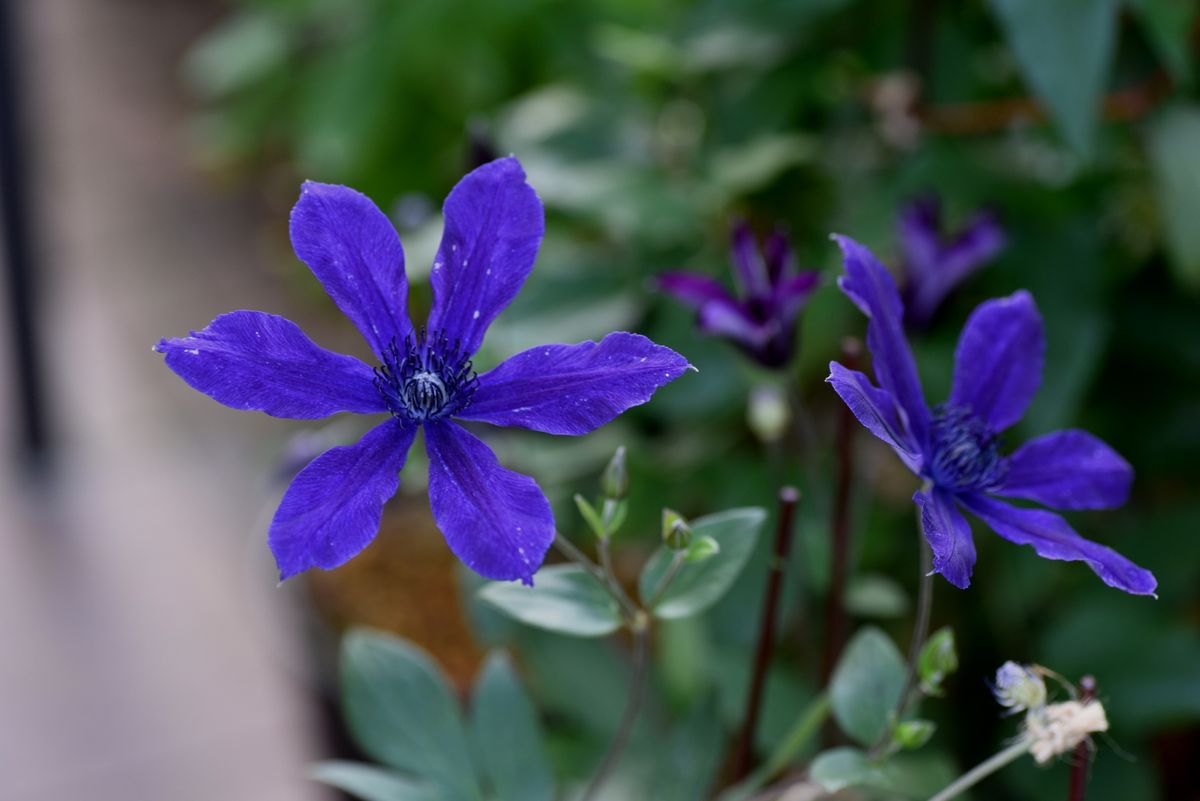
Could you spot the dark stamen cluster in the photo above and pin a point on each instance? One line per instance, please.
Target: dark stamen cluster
(966, 455)
(429, 378)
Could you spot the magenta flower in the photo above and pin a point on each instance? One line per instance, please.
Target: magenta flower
(771, 293)
(935, 264)
(496, 521)
(955, 447)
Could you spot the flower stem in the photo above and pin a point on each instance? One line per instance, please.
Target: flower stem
(667, 577)
(983, 770)
(920, 633)
(601, 574)
(1083, 752)
(788, 498)
(637, 687)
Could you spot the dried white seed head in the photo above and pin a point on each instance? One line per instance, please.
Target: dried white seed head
(1058, 728)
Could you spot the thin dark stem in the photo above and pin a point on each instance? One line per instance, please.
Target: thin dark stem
(667, 577)
(1083, 752)
(614, 585)
(601, 574)
(839, 531)
(788, 498)
(637, 687)
(919, 635)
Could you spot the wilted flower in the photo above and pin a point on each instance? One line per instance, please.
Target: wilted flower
(935, 264)
(955, 447)
(498, 522)
(761, 319)
(1056, 729)
(1019, 687)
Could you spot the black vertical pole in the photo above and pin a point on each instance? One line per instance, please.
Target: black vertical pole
(16, 226)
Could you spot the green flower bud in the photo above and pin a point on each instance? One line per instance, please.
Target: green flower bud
(676, 533)
(912, 734)
(614, 483)
(767, 413)
(937, 660)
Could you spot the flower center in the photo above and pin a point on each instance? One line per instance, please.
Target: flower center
(966, 455)
(428, 379)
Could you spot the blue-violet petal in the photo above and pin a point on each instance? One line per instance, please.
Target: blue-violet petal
(949, 536)
(1068, 470)
(870, 286)
(574, 389)
(353, 250)
(494, 223)
(496, 521)
(998, 362)
(333, 507)
(256, 361)
(1053, 538)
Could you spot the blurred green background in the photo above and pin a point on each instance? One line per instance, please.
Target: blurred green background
(648, 125)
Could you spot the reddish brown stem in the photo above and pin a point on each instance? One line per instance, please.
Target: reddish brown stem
(1083, 751)
(989, 116)
(743, 754)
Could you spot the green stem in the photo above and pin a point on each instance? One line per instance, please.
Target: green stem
(983, 770)
(919, 635)
(601, 574)
(610, 576)
(667, 577)
(637, 687)
(801, 734)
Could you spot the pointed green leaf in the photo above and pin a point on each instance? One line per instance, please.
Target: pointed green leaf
(938, 659)
(1168, 25)
(699, 585)
(401, 712)
(702, 549)
(912, 734)
(866, 685)
(590, 515)
(508, 736)
(563, 598)
(1175, 157)
(371, 783)
(1065, 49)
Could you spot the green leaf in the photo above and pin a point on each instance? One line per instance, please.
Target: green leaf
(590, 515)
(1065, 49)
(702, 549)
(401, 713)
(840, 768)
(699, 585)
(749, 167)
(244, 49)
(371, 783)
(1168, 25)
(912, 734)
(563, 598)
(874, 595)
(866, 685)
(508, 736)
(938, 659)
(1175, 157)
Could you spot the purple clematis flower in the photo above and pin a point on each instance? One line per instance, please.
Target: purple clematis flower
(955, 447)
(762, 320)
(496, 521)
(934, 265)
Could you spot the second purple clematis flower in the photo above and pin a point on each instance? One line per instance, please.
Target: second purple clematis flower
(497, 522)
(955, 446)
(935, 264)
(771, 293)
